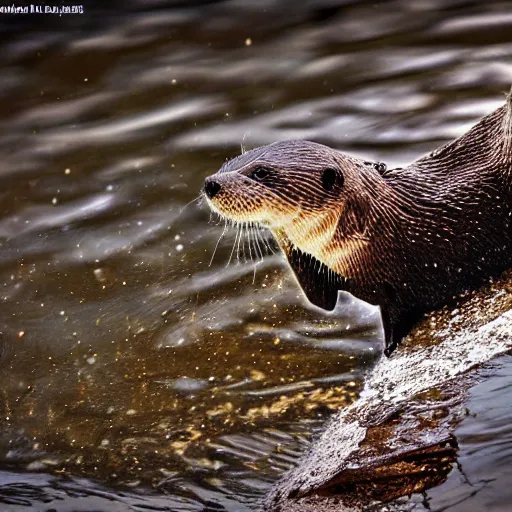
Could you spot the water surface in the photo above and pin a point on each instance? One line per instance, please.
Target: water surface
(136, 371)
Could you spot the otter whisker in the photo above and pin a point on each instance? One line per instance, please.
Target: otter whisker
(240, 231)
(233, 248)
(199, 198)
(255, 263)
(249, 244)
(258, 246)
(218, 242)
(244, 235)
(262, 243)
(242, 147)
(248, 234)
(219, 218)
(261, 236)
(269, 246)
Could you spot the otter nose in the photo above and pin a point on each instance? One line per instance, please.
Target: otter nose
(211, 188)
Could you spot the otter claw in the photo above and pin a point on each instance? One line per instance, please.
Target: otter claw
(390, 348)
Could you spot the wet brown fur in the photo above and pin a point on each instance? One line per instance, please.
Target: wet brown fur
(407, 240)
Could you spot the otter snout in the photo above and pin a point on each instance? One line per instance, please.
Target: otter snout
(211, 187)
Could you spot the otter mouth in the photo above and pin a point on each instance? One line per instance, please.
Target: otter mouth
(231, 201)
(250, 243)
(236, 215)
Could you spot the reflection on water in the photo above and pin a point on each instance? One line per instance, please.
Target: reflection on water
(482, 479)
(125, 357)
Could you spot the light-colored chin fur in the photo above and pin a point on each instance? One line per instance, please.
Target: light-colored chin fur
(241, 217)
(311, 233)
(315, 234)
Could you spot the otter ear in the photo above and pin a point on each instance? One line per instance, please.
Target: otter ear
(331, 177)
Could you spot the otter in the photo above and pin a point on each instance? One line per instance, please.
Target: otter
(408, 240)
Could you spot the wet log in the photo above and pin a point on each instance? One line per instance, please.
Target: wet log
(397, 438)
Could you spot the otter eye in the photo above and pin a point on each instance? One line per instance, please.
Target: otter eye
(329, 178)
(259, 173)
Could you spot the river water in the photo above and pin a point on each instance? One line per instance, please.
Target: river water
(139, 368)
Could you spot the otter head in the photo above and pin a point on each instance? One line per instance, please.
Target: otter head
(298, 189)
